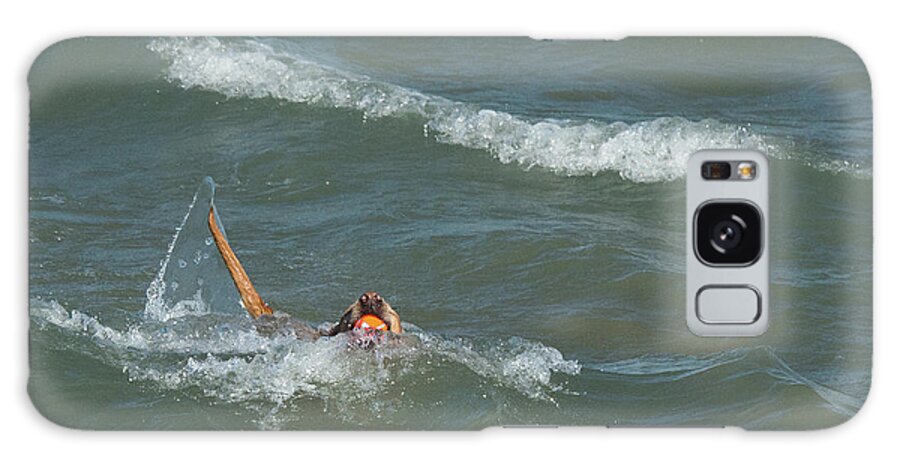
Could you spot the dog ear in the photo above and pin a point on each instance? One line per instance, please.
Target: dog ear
(348, 318)
(392, 318)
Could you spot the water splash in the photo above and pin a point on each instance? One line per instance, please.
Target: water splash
(192, 280)
(227, 359)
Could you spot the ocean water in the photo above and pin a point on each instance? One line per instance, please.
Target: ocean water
(520, 202)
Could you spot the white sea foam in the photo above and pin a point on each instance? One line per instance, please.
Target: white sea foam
(233, 363)
(649, 151)
(230, 361)
(516, 362)
(77, 322)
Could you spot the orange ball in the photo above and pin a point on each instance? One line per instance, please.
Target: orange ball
(370, 322)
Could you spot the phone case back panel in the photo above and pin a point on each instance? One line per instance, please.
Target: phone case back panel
(518, 203)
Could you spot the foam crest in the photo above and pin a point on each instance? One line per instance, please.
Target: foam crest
(650, 151)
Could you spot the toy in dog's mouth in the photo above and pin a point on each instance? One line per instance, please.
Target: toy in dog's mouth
(368, 332)
(370, 322)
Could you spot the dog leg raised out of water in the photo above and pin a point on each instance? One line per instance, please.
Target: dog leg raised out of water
(267, 321)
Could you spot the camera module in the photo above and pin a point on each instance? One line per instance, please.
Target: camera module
(728, 233)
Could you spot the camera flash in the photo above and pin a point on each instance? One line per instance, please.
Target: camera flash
(746, 170)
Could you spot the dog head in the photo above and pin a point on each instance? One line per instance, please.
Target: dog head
(372, 303)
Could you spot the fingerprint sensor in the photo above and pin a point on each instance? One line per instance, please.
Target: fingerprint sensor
(721, 304)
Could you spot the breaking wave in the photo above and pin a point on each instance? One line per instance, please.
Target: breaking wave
(649, 151)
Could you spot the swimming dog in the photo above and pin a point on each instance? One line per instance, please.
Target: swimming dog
(369, 303)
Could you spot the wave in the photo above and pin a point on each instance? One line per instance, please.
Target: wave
(650, 151)
(224, 358)
(227, 359)
(763, 360)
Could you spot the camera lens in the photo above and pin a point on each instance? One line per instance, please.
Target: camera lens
(716, 170)
(728, 233)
